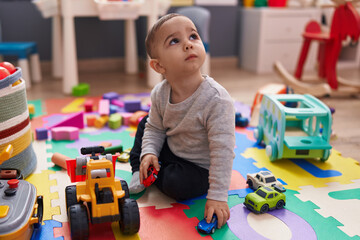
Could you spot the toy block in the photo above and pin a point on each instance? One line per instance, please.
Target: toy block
(59, 159)
(113, 109)
(31, 108)
(76, 120)
(80, 89)
(113, 149)
(110, 96)
(117, 103)
(104, 107)
(88, 105)
(65, 133)
(115, 121)
(41, 133)
(90, 120)
(134, 119)
(101, 121)
(126, 118)
(132, 105)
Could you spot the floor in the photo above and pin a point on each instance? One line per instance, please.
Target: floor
(242, 86)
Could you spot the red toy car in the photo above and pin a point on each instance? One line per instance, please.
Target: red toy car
(152, 176)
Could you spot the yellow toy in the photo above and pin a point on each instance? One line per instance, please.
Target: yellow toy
(100, 198)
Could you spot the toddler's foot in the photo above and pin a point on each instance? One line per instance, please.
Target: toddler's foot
(135, 186)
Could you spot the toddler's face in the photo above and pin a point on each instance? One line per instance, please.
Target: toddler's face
(178, 46)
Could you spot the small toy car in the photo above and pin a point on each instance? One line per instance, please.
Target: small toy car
(264, 199)
(262, 179)
(207, 228)
(152, 176)
(124, 156)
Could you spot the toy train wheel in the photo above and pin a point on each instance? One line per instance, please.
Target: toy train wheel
(70, 196)
(258, 134)
(125, 187)
(264, 208)
(326, 155)
(79, 222)
(130, 216)
(271, 151)
(280, 204)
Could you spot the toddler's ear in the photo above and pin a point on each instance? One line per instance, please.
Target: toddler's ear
(156, 65)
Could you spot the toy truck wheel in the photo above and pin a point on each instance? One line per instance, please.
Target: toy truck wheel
(326, 155)
(250, 183)
(125, 187)
(280, 204)
(258, 134)
(271, 151)
(212, 230)
(130, 216)
(264, 208)
(70, 196)
(79, 222)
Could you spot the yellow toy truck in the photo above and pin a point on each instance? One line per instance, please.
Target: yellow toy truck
(100, 198)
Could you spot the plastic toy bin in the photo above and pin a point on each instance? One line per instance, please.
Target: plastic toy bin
(118, 10)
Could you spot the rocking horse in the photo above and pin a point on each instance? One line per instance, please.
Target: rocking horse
(345, 24)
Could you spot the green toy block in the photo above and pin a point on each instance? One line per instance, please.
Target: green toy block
(80, 90)
(115, 121)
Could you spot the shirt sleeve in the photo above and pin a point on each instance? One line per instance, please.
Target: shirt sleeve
(154, 133)
(220, 125)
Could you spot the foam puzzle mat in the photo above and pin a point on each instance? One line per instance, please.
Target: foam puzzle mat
(322, 198)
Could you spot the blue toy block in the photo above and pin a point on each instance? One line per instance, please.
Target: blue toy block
(41, 133)
(110, 96)
(113, 109)
(132, 105)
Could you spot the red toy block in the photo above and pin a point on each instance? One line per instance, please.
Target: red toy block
(89, 105)
(90, 120)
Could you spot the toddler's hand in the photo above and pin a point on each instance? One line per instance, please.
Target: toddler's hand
(146, 161)
(221, 209)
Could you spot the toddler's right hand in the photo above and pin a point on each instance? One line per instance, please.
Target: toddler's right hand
(146, 161)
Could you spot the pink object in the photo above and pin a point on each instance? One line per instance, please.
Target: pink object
(65, 133)
(117, 103)
(59, 159)
(104, 107)
(126, 118)
(76, 120)
(88, 105)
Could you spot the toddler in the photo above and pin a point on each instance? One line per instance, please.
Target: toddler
(190, 128)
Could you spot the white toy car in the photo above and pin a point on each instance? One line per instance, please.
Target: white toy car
(262, 179)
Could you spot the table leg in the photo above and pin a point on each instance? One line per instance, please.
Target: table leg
(57, 58)
(70, 72)
(131, 56)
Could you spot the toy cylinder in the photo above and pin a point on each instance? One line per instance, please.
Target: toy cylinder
(15, 124)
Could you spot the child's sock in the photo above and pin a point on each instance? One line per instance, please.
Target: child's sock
(135, 186)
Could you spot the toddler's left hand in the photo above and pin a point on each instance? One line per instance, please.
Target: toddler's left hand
(221, 209)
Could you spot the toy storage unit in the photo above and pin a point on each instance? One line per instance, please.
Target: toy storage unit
(273, 34)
